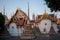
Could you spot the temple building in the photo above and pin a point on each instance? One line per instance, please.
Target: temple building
(47, 23)
(17, 23)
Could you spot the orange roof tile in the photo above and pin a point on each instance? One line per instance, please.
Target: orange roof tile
(58, 21)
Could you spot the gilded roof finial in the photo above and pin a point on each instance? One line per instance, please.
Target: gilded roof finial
(45, 12)
(18, 8)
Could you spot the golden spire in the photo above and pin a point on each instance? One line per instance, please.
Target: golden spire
(45, 13)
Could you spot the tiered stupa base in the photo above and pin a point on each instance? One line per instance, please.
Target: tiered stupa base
(28, 33)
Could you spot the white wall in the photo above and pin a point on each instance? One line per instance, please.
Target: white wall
(15, 31)
(42, 26)
(54, 25)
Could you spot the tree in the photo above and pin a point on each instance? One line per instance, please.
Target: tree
(54, 5)
(2, 21)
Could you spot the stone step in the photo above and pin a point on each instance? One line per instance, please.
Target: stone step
(3, 34)
(28, 31)
(27, 37)
(36, 30)
(27, 34)
(28, 28)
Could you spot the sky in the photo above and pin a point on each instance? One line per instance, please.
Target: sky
(36, 7)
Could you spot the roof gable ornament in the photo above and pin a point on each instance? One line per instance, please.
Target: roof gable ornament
(45, 15)
(18, 8)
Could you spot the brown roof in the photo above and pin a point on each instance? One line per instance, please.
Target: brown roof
(39, 16)
(58, 21)
(16, 13)
(52, 15)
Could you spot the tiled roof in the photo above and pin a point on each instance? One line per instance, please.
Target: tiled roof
(58, 21)
(18, 10)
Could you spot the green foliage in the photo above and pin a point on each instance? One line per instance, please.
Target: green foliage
(54, 5)
(2, 21)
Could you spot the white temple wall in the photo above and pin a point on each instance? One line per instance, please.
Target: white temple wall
(14, 31)
(45, 24)
(54, 25)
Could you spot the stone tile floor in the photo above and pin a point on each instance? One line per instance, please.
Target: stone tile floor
(40, 37)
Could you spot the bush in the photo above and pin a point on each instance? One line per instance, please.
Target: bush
(2, 21)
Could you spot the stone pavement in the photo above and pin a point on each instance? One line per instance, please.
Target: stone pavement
(40, 37)
(6, 36)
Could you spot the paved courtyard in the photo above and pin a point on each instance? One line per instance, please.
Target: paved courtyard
(5, 36)
(40, 37)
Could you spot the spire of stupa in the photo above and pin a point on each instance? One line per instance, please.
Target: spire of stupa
(4, 10)
(28, 15)
(28, 10)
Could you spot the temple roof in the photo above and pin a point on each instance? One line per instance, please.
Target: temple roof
(45, 16)
(58, 21)
(18, 13)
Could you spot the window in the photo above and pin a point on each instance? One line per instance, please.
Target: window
(44, 30)
(19, 19)
(45, 23)
(12, 26)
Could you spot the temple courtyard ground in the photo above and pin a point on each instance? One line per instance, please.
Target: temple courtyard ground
(5, 36)
(39, 37)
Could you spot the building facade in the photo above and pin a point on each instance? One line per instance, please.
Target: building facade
(47, 23)
(17, 23)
